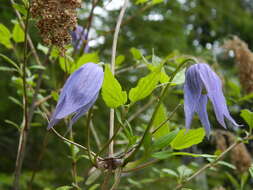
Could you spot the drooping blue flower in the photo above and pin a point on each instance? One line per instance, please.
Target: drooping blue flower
(79, 37)
(79, 93)
(201, 83)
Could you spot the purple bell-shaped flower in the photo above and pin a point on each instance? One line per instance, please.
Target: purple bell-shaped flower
(79, 93)
(202, 83)
(79, 36)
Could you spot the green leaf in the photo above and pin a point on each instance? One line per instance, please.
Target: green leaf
(10, 61)
(136, 53)
(248, 117)
(164, 77)
(43, 48)
(184, 171)
(162, 155)
(5, 36)
(85, 58)
(66, 64)
(251, 170)
(157, 1)
(18, 34)
(170, 172)
(94, 187)
(93, 177)
(141, 1)
(120, 59)
(147, 143)
(12, 124)
(64, 188)
(185, 139)
(8, 69)
(20, 8)
(179, 78)
(111, 90)
(145, 86)
(160, 117)
(164, 141)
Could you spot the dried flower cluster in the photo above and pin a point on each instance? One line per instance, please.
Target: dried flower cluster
(244, 58)
(239, 155)
(56, 19)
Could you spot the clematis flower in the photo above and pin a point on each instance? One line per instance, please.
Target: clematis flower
(202, 83)
(79, 36)
(78, 94)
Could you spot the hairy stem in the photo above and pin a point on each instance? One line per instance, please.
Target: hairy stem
(114, 48)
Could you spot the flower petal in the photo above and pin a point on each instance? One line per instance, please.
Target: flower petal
(81, 111)
(213, 86)
(80, 89)
(192, 94)
(202, 112)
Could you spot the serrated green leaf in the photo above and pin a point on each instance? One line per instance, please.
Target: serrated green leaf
(136, 53)
(145, 86)
(120, 59)
(85, 58)
(164, 141)
(160, 117)
(5, 36)
(18, 34)
(111, 90)
(248, 117)
(185, 139)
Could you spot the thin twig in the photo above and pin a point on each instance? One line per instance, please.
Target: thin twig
(95, 135)
(141, 110)
(165, 121)
(23, 133)
(71, 142)
(114, 48)
(88, 135)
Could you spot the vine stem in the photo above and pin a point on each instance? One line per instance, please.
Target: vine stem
(162, 96)
(24, 130)
(114, 48)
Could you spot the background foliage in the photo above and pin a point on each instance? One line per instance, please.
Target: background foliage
(152, 31)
